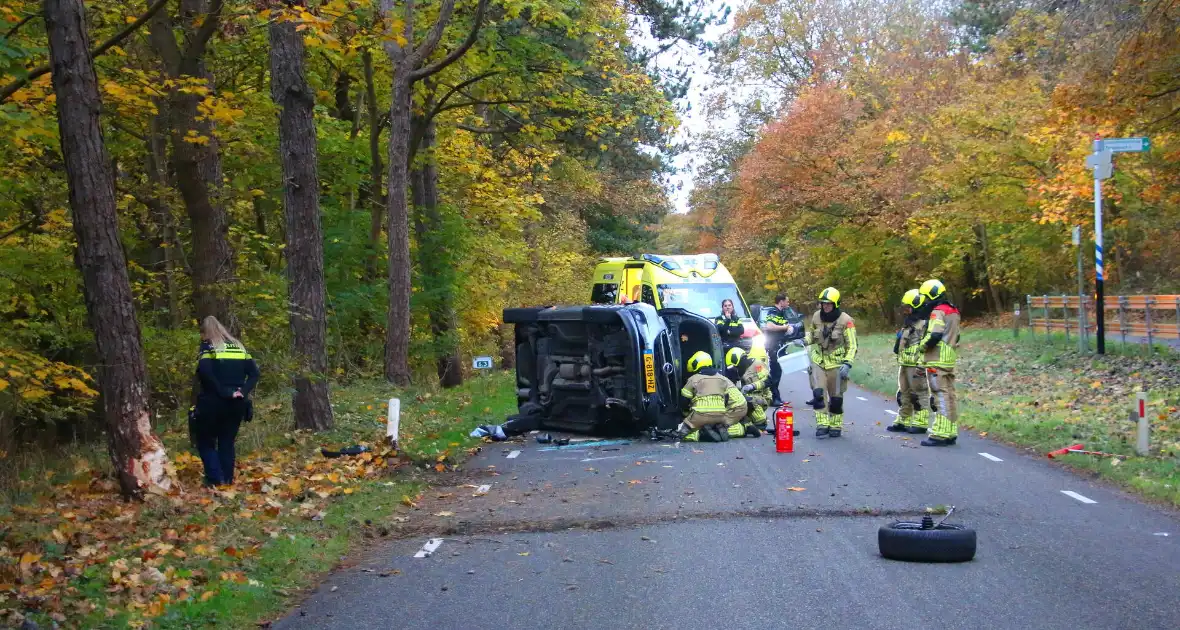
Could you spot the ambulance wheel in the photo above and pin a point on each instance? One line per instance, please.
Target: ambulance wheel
(902, 540)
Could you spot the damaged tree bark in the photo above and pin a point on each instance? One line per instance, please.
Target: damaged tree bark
(137, 455)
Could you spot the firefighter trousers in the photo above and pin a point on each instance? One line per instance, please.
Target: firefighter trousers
(914, 400)
(829, 389)
(945, 408)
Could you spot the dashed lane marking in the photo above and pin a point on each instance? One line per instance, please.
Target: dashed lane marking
(991, 457)
(514, 455)
(1071, 493)
(862, 398)
(429, 548)
(892, 413)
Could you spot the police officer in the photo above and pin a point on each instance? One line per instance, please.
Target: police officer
(226, 375)
(940, 353)
(710, 401)
(728, 325)
(832, 339)
(912, 392)
(777, 328)
(750, 376)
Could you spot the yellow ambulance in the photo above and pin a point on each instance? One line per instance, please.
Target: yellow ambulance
(696, 283)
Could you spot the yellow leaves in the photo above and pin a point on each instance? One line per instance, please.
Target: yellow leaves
(3, 384)
(1096, 385)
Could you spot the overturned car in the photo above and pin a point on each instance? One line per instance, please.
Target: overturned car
(614, 369)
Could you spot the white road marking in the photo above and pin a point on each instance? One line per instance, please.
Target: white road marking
(991, 457)
(595, 459)
(1160, 534)
(862, 398)
(484, 489)
(429, 548)
(1071, 493)
(514, 455)
(894, 413)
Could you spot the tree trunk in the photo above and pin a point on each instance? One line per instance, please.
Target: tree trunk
(376, 196)
(435, 256)
(993, 297)
(195, 157)
(166, 304)
(305, 258)
(397, 329)
(138, 457)
(507, 335)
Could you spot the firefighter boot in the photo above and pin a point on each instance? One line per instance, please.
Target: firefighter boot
(752, 431)
(836, 416)
(821, 424)
(918, 422)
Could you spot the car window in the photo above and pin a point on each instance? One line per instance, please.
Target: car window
(649, 296)
(604, 293)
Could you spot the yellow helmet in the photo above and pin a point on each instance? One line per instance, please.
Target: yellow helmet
(699, 360)
(734, 356)
(830, 294)
(913, 299)
(932, 289)
(758, 350)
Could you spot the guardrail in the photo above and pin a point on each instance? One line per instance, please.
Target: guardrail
(1142, 316)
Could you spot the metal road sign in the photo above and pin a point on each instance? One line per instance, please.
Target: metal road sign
(1100, 162)
(482, 363)
(1127, 145)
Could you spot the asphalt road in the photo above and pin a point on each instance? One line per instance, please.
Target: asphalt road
(658, 535)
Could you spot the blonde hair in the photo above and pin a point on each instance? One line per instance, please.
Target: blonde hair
(215, 333)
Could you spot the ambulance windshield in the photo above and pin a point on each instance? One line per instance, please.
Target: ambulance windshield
(702, 298)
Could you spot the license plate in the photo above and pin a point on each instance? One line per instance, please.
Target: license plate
(649, 371)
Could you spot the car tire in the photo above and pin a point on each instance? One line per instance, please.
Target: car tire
(907, 541)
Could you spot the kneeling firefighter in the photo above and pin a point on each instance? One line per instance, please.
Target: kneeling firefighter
(832, 339)
(912, 392)
(940, 355)
(751, 376)
(711, 402)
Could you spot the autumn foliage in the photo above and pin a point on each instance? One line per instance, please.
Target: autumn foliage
(912, 141)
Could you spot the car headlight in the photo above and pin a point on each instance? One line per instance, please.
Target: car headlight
(759, 341)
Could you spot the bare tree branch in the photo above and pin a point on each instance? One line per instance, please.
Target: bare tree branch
(483, 130)
(115, 40)
(195, 51)
(421, 52)
(16, 27)
(455, 54)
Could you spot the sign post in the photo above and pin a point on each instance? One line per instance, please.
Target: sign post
(1100, 161)
(483, 364)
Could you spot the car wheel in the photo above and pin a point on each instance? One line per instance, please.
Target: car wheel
(925, 542)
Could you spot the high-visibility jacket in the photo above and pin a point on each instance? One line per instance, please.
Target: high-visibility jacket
(910, 345)
(222, 371)
(941, 342)
(832, 344)
(758, 375)
(712, 395)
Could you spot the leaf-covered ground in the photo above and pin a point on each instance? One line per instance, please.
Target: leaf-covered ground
(73, 553)
(1046, 395)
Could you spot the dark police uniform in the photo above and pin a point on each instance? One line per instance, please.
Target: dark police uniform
(217, 414)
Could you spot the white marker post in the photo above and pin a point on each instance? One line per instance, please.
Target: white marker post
(1143, 434)
(393, 421)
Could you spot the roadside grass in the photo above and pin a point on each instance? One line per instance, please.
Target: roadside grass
(72, 553)
(1043, 394)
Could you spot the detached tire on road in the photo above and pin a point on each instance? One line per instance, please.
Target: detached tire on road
(906, 540)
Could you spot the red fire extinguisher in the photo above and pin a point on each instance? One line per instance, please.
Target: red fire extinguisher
(784, 430)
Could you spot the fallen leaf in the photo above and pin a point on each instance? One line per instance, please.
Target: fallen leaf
(796, 489)
(634, 482)
(444, 513)
(983, 434)
(1096, 385)
(523, 553)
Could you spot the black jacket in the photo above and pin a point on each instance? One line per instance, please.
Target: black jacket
(731, 329)
(222, 372)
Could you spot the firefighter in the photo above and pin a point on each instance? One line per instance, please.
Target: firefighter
(729, 326)
(832, 339)
(911, 376)
(750, 376)
(711, 402)
(940, 353)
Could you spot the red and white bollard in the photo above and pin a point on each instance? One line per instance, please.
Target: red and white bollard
(784, 430)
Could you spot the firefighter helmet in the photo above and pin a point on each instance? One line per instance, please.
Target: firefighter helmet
(830, 294)
(913, 299)
(699, 360)
(932, 289)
